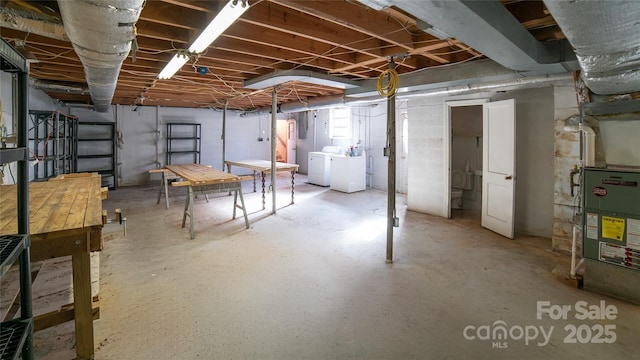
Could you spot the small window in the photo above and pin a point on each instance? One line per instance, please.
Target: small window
(340, 123)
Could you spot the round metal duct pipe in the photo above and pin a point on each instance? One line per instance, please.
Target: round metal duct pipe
(101, 32)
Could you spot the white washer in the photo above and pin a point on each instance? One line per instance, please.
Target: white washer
(320, 165)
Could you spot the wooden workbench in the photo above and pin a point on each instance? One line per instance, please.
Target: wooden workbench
(65, 218)
(264, 168)
(203, 180)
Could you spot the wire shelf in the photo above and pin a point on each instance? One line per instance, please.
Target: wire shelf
(10, 248)
(13, 334)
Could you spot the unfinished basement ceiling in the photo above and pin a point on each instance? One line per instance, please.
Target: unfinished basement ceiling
(344, 39)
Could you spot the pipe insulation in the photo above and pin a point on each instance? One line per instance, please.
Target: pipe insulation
(605, 39)
(101, 32)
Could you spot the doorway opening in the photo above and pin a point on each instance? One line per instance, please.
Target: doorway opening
(464, 121)
(286, 141)
(466, 161)
(498, 162)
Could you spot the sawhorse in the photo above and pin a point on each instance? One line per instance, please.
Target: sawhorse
(195, 190)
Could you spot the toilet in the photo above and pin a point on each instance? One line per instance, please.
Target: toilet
(460, 181)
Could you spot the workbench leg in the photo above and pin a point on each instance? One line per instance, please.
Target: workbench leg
(263, 193)
(160, 189)
(235, 203)
(191, 229)
(254, 181)
(185, 212)
(244, 210)
(229, 171)
(166, 191)
(293, 184)
(82, 305)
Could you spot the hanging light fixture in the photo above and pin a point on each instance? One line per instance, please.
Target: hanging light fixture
(225, 17)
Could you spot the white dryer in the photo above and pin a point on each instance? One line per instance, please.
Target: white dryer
(319, 172)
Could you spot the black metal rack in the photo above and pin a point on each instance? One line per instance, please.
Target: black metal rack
(183, 139)
(96, 150)
(52, 143)
(16, 336)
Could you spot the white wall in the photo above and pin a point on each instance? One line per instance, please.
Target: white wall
(534, 156)
(427, 185)
(141, 129)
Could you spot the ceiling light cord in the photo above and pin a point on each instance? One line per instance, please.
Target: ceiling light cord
(388, 89)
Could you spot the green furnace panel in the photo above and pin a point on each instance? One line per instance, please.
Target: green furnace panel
(612, 217)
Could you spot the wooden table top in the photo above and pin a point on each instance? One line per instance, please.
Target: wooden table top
(263, 165)
(199, 174)
(58, 207)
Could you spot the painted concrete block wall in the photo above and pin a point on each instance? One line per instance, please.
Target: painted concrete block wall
(427, 186)
(377, 139)
(566, 155)
(138, 151)
(242, 143)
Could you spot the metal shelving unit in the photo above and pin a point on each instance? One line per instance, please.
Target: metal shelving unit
(96, 150)
(52, 143)
(183, 142)
(16, 335)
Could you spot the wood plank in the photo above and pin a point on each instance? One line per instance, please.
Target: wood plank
(66, 313)
(93, 214)
(40, 195)
(58, 217)
(47, 246)
(263, 165)
(198, 174)
(78, 208)
(82, 300)
(8, 209)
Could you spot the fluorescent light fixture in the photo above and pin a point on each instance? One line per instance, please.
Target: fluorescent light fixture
(173, 66)
(225, 17)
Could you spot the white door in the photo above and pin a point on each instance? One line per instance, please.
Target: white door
(291, 142)
(498, 159)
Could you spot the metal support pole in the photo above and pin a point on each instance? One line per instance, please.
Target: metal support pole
(23, 209)
(274, 110)
(391, 177)
(224, 131)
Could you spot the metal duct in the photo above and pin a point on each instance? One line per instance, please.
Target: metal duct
(59, 87)
(33, 23)
(605, 37)
(101, 32)
(281, 76)
(487, 26)
(332, 101)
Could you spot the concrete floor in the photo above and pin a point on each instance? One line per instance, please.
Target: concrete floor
(311, 283)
